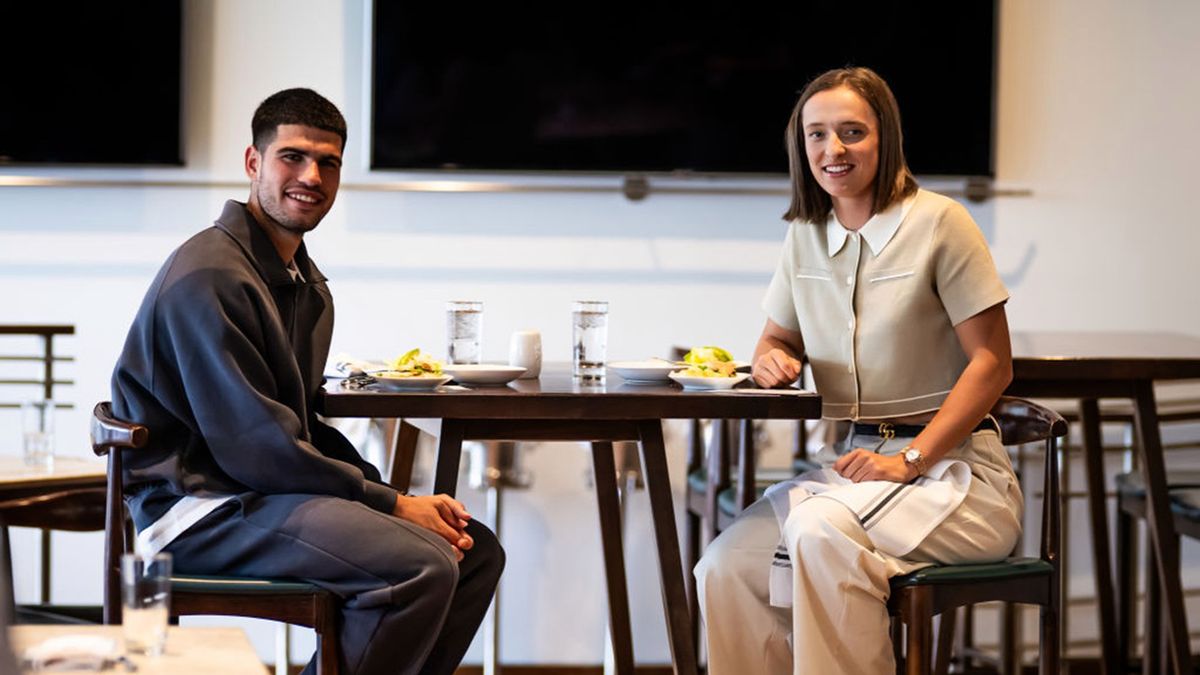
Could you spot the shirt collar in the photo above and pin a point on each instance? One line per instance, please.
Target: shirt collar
(877, 231)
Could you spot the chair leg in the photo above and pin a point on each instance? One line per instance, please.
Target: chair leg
(919, 622)
(1126, 582)
(1152, 644)
(327, 654)
(1009, 649)
(692, 544)
(945, 642)
(1049, 658)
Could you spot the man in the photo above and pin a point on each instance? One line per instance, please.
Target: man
(223, 362)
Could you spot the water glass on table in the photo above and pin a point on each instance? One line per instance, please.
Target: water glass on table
(590, 337)
(37, 433)
(145, 601)
(464, 331)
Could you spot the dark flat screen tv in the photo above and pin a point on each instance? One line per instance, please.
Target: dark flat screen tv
(652, 86)
(91, 83)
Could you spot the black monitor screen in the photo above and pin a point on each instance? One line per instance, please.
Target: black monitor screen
(90, 82)
(665, 86)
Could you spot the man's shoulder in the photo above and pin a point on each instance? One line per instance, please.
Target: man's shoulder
(210, 264)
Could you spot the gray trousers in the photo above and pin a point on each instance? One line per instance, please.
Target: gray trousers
(408, 606)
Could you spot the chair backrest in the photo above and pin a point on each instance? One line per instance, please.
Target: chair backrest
(109, 434)
(28, 362)
(1021, 422)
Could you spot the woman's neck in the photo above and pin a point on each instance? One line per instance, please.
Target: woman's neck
(853, 213)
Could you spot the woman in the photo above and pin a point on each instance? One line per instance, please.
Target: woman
(892, 294)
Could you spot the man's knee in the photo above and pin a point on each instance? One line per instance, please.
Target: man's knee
(487, 553)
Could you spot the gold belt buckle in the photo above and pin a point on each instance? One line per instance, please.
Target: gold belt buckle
(886, 431)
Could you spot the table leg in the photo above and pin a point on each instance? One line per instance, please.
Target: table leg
(445, 477)
(1093, 459)
(1161, 525)
(605, 471)
(658, 485)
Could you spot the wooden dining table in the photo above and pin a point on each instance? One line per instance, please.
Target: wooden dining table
(21, 483)
(558, 407)
(1088, 366)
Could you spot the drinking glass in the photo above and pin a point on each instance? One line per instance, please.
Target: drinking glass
(464, 331)
(145, 599)
(590, 336)
(37, 433)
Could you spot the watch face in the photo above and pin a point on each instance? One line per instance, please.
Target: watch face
(912, 455)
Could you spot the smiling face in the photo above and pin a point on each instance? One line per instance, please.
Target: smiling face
(294, 180)
(841, 141)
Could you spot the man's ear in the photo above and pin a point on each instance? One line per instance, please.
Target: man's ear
(253, 162)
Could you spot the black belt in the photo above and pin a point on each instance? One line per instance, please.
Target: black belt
(889, 430)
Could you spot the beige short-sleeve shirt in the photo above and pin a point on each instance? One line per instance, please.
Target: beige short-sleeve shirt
(877, 307)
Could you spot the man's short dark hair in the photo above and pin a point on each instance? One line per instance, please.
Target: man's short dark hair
(295, 106)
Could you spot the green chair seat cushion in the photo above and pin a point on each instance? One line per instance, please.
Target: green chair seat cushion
(698, 480)
(727, 500)
(1186, 502)
(1011, 568)
(1132, 484)
(197, 583)
(1183, 486)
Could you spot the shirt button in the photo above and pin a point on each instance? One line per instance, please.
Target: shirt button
(850, 324)
(849, 280)
(850, 368)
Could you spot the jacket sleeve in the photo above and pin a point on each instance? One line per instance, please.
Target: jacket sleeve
(219, 332)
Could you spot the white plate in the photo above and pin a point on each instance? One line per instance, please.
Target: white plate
(708, 383)
(639, 372)
(486, 373)
(411, 383)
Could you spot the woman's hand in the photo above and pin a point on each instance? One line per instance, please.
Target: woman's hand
(774, 368)
(859, 465)
(441, 514)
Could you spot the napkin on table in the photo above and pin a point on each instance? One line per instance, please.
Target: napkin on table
(71, 652)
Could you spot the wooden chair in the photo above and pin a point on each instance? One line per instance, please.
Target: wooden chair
(916, 598)
(289, 601)
(1184, 490)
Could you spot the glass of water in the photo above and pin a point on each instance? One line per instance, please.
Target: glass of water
(37, 433)
(464, 331)
(146, 600)
(590, 337)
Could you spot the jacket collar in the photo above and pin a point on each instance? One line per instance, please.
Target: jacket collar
(237, 221)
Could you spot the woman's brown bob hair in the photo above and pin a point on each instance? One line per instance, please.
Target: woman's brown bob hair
(893, 181)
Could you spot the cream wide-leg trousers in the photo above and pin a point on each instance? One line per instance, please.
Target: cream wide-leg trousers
(838, 622)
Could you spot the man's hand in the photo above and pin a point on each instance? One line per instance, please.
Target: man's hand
(774, 368)
(441, 514)
(859, 465)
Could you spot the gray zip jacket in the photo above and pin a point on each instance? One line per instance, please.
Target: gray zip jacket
(223, 362)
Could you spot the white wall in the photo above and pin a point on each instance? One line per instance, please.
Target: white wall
(1096, 104)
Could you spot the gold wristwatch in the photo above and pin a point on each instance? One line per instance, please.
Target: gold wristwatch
(914, 458)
